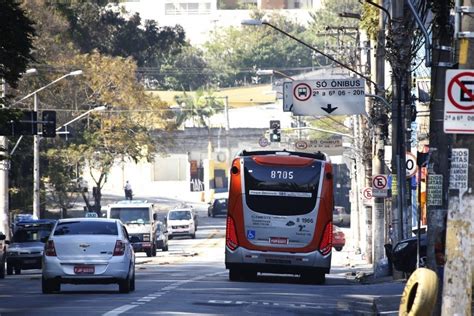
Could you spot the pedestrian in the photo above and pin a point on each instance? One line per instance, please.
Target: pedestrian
(128, 191)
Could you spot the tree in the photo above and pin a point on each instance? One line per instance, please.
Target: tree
(124, 132)
(108, 30)
(16, 42)
(236, 53)
(188, 70)
(200, 107)
(335, 35)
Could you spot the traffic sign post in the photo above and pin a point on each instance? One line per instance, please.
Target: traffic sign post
(459, 102)
(380, 185)
(338, 96)
(367, 196)
(411, 165)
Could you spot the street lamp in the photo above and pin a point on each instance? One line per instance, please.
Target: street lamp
(36, 172)
(96, 109)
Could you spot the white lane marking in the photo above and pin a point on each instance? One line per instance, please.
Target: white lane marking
(150, 297)
(119, 310)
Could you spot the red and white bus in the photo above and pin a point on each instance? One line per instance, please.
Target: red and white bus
(280, 215)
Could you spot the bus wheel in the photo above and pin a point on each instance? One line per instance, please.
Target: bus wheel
(419, 295)
(234, 274)
(248, 275)
(313, 278)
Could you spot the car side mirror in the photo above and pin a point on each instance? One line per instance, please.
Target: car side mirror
(2, 237)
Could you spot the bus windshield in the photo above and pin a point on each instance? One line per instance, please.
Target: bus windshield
(131, 215)
(281, 190)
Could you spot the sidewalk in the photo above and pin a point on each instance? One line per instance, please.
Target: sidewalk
(362, 272)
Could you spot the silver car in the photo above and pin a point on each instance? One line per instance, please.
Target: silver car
(88, 250)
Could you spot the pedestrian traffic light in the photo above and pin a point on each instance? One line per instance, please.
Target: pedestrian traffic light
(49, 124)
(275, 133)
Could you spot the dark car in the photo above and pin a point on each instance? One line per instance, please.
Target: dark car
(3, 254)
(26, 247)
(217, 207)
(403, 254)
(161, 235)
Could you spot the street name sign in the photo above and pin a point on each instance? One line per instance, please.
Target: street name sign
(459, 169)
(459, 102)
(338, 96)
(331, 146)
(435, 190)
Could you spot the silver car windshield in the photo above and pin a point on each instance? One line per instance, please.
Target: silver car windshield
(128, 215)
(180, 215)
(86, 228)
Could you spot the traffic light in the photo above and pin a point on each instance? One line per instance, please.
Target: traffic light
(49, 124)
(275, 133)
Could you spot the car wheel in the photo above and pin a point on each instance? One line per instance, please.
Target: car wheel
(193, 236)
(2, 270)
(153, 251)
(50, 286)
(165, 248)
(9, 269)
(338, 248)
(148, 252)
(125, 285)
(234, 274)
(17, 270)
(132, 283)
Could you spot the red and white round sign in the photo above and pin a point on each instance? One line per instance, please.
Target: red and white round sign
(302, 91)
(461, 91)
(367, 193)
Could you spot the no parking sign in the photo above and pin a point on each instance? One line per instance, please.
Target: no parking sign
(459, 102)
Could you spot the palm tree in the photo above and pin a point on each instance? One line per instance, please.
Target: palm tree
(199, 108)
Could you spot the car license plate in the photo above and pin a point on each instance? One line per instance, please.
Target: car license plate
(30, 261)
(279, 240)
(84, 269)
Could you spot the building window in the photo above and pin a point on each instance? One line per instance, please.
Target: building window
(187, 8)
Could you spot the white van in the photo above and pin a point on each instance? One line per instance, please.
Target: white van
(181, 222)
(139, 218)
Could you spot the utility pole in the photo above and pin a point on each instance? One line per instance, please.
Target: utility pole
(399, 45)
(378, 210)
(36, 166)
(458, 274)
(4, 167)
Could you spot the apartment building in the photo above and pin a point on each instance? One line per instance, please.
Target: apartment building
(200, 18)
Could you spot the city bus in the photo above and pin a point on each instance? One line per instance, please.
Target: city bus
(280, 215)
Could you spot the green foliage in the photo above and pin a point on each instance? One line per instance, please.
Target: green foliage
(187, 70)
(16, 39)
(199, 107)
(94, 27)
(234, 54)
(332, 34)
(370, 19)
